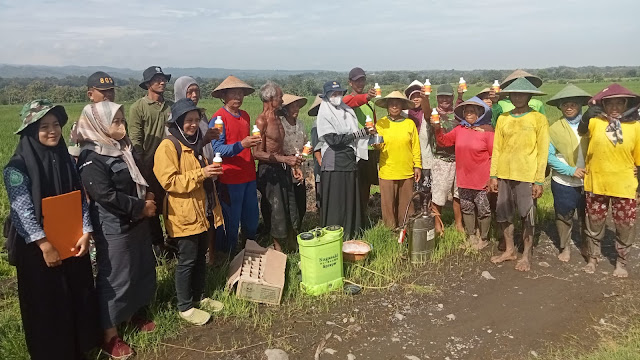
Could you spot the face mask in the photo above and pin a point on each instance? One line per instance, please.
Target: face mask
(335, 100)
(117, 133)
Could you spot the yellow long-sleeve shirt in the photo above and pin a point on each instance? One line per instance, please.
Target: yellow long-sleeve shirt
(610, 167)
(521, 147)
(401, 150)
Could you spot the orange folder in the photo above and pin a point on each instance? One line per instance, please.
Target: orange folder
(63, 222)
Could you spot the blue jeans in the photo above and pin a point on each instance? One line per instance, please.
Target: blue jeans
(240, 210)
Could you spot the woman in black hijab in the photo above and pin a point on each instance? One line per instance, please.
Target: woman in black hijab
(57, 297)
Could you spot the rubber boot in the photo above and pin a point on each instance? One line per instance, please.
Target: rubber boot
(484, 225)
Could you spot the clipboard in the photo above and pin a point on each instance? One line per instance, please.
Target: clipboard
(62, 222)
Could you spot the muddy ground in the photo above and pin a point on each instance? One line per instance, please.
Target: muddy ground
(467, 316)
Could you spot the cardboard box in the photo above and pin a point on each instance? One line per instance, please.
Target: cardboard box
(259, 273)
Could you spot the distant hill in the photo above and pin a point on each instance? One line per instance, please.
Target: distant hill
(38, 71)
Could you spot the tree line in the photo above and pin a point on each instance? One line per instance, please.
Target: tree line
(73, 88)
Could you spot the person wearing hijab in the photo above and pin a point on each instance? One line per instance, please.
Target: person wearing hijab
(295, 138)
(120, 208)
(186, 175)
(473, 141)
(316, 146)
(57, 297)
(400, 159)
(187, 87)
(416, 113)
(566, 160)
(443, 171)
(612, 158)
(343, 145)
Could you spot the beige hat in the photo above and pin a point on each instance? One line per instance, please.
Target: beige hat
(536, 81)
(232, 82)
(313, 110)
(484, 91)
(288, 99)
(406, 103)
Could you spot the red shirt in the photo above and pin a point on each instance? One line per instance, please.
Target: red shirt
(240, 168)
(473, 154)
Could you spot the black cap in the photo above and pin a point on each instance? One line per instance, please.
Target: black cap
(180, 108)
(101, 81)
(356, 73)
(149, 73)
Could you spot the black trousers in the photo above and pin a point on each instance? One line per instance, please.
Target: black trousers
(191, 269)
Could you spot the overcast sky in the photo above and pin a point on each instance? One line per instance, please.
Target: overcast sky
(324, 34)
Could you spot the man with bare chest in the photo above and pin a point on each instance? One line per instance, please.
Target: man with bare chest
(276, 172)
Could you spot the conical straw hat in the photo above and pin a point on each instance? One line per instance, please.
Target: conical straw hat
(313, 110)
(570, 92)
(536, 81)
(232, 82)
(288, 99)
(484, 91)
(521, 85)
(406, 103)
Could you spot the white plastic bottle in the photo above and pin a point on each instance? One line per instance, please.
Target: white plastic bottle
(435, 117)
(378, 90)
(426, 88)
(496, 86)
(217, 159)
(255, 131)
(463, 84)
(219, 124)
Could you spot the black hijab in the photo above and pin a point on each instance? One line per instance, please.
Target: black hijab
(193, 142)
(50, 168)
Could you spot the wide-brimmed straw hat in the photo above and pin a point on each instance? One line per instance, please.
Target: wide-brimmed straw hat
(536, 81)
(483, 91)
(313, 110)
(406, 103)
(523, 86)
(232, 82)
(414, 86)
(288, 99)
(458, 110)
(615, 91)
(569, 93)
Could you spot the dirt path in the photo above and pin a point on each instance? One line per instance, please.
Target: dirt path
(467, 317)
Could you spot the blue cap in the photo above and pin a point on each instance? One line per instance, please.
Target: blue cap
(331, 86)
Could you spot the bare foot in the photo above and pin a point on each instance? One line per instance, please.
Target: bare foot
(505, 256)
(590, 268)
(565, 255)
(620, 271)
(523, 264)
(481, 244)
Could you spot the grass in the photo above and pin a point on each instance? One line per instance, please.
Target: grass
(386, 264)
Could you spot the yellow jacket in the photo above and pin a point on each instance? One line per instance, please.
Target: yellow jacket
(184, 209)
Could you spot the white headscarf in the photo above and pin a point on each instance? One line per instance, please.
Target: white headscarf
(340, 120)
(93, 134)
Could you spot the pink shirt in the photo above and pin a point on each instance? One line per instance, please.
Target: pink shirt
(473, 154)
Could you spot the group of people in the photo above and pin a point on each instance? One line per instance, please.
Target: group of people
(170, 168)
